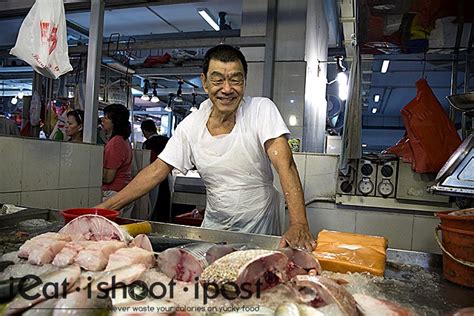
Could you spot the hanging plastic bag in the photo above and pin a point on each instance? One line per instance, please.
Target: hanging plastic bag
(432, 137)
(42, 39)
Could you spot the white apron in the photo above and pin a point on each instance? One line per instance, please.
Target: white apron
(239, 181)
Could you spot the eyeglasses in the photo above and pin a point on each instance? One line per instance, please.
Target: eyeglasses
(233, 81)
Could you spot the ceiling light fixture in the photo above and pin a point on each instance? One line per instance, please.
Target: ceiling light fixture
(155, 98)
(341, 78)
(204, 13)
(145, 96)
(21, 94)
(14, 100)
(193, 108)
(168, 107)
(385, 64)
(376, 98)
(179, 93)
(374, 110)
(292, 120)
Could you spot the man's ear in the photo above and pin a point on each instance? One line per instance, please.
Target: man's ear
(203, 81)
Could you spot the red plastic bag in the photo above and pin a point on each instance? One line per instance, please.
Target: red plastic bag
(432, 137)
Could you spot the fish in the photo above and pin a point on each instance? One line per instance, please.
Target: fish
(142, 241)
(184, 263)
(40, 241)
(67, 255)
(318, 291)
(293, 309)
(128, 256)
(220, 250)
(95, 256)
(124, 275)
(94, 227)
(70, 274)
(45, 252)
(301, 262)
(371, 306)
(256, 269)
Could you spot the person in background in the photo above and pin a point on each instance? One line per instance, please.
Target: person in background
(74, 125)
(160, 195)
(233, 141)
(154, 142)
(117, 153)
(7, 126)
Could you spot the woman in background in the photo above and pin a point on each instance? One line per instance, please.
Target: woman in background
(117, 153)
(74, 125)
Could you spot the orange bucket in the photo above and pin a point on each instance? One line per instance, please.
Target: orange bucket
(458, 254)
(456, 221)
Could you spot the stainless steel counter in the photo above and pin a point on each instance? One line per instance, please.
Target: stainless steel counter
(411, 278)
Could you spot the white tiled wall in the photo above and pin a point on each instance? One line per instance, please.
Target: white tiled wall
(403, 229)
(49, 174)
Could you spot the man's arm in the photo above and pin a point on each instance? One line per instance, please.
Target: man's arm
(143, 182)
(297, 235)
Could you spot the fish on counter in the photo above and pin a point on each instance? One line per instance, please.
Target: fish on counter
(184, 263)
(301, 262)
(94, 227)
(260, 269)
(371, 306)
(318, 291)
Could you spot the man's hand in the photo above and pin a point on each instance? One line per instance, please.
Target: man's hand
(298, 236)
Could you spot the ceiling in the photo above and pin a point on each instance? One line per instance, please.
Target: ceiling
(379, 34)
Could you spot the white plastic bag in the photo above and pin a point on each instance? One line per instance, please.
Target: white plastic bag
(42, 39)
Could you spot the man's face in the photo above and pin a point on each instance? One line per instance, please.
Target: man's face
(225, 85)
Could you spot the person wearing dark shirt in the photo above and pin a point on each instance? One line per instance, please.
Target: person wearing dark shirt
(160, 196)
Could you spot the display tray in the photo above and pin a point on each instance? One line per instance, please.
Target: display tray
(411, 278)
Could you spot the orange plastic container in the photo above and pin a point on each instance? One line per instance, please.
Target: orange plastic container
(456, 221)
(458, 255)
(72, 213)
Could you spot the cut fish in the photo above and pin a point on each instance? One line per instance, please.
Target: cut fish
(319, 291)
(128, 256)
(94, 227)
(371, 306)
(95, 256)
(301, 262)
(69, 275)
(184, 263)
(257, 269)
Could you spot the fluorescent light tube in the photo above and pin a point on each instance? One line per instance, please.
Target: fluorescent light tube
(385, 64)
(206, 16)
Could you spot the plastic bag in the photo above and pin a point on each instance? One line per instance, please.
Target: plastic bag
(347, 252)
(42, 39)
(432, 137)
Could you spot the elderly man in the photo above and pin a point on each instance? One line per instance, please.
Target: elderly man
(232, 141)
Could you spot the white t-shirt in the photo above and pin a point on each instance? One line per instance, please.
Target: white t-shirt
(258, 117)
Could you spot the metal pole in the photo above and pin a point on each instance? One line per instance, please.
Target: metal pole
(466, 82)
(94, 55)
(268, 65)
(454, 70)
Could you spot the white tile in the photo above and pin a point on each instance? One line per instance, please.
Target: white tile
(40, 165)
(300, 161)
(96, 165)
(95, 196)
(423, 234)
(330, 219)
(73, 198)
(10, 198)
(397, 228)
(40, 199)
(11, 150)
(75, 165)
(320, 176)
